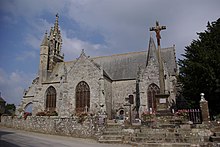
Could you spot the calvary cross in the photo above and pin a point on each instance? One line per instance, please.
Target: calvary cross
(157, 29)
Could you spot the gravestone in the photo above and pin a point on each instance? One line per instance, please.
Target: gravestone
(102, 119)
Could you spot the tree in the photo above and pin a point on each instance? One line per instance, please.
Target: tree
(10, 109)
(200, 68)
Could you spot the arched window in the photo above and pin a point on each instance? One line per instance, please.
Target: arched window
(152, 90)
(82, 97)
(51, 99)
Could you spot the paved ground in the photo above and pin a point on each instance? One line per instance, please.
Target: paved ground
(18, 138)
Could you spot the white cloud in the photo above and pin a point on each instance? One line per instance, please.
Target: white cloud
(125, 24)
(36, 33)
(72, 47)
(33, 41)
(11, 85)
(26, 55)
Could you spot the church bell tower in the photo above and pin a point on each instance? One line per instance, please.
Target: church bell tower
(50, 51)
(55, 43)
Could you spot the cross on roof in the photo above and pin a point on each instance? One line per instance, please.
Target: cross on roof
(157, 29)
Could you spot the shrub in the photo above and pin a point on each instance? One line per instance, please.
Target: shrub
(148, 115)
(48, 113)
(82, 116)
(26, 114)
(54, 113)
(42, 113)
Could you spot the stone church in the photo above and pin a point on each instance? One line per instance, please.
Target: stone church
(90, 84)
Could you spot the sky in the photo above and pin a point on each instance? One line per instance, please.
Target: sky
(100, 27)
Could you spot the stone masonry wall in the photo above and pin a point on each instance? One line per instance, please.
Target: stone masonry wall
(121, 90)
(108, 96)
(52, 125)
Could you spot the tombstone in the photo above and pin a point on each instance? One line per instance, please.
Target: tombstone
(101, 119)
(129, 113)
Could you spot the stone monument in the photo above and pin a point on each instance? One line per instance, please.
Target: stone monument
(162, 97)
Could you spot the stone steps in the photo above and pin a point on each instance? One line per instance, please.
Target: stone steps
(113, 128)
(215, 137)
(112, 134)
(166, 135)
(174, 139)
(117, 132)
(167, 126)
(217, 133)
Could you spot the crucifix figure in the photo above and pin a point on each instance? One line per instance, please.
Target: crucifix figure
(157, 29)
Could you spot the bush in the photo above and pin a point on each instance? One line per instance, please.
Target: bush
(48, 113)
(82, 116)
(42, 113)
(26, 114)
(54, 113)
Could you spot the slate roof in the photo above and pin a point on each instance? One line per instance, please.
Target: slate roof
(122, 66)
(125, 66)
(169, 57)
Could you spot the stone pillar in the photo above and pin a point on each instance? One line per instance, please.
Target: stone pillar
(204, 108)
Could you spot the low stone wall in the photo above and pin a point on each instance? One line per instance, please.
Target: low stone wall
(53, 125)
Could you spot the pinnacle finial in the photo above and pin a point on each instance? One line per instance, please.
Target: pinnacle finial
(45, 40)
(56, 25)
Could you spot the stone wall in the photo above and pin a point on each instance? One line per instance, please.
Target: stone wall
(120, 91)
(108, 97)
(53, 125)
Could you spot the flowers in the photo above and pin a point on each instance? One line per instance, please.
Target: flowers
(26, 114)
(47, 113)
(182, 113)
(148, 115)
(82, 116)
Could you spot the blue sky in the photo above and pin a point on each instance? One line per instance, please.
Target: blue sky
(101, 27)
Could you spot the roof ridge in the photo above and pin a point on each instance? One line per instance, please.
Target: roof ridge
(118, 54)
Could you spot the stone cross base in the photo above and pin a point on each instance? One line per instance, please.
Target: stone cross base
(162, 102)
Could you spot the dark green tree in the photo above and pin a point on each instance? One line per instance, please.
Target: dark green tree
(200, 68)
(10, 109)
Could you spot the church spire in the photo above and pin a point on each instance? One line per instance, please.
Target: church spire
(55, 44)
(45, 40)
(56, 24)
